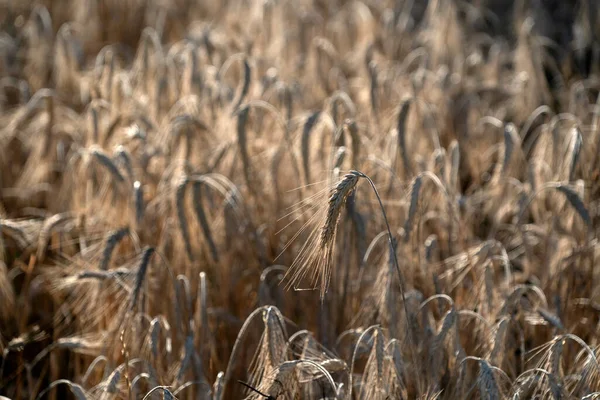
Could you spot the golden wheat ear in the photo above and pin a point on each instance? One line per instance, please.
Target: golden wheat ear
(338, 198)
(316, 256)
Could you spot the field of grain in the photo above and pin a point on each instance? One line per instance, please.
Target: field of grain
(299, 199)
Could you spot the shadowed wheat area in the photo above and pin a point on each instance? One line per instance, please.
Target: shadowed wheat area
(309, 199)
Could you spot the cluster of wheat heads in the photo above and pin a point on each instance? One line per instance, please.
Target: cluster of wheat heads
(182, 213)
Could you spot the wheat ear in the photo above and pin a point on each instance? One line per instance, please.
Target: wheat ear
(180, 210)
(111, 242)
(336, 201)
(201, 216)
(141, 275)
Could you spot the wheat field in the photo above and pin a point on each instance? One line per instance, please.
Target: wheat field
(299, 199)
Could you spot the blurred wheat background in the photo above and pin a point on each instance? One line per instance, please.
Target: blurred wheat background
(321, 199)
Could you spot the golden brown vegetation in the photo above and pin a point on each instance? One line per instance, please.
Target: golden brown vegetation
(181, 207)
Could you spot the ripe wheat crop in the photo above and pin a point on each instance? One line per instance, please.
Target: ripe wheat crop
(299, 199)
